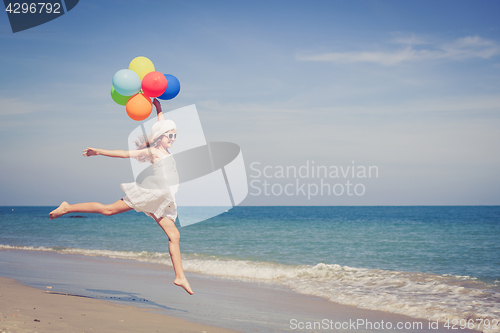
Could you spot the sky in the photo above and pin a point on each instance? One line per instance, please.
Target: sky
(407, 89)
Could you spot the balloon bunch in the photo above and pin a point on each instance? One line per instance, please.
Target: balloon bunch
(134, 87)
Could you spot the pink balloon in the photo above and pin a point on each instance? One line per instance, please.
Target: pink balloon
(154, 84)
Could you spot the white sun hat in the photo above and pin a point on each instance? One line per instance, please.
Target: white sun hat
(160, 128)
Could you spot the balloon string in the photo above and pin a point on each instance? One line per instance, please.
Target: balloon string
(147, 143)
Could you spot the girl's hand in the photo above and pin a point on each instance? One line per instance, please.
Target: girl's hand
(158, 109)
(157, 105)
(90, 152)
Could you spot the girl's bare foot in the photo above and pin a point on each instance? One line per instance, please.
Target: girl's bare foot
(59, 211)
(184, 284)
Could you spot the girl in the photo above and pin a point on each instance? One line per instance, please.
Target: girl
(154, 196)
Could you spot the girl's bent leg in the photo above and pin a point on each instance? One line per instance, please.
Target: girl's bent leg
(175, 252)
(90, 207)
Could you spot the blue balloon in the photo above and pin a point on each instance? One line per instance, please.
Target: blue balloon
(173, 87)
(127, 82)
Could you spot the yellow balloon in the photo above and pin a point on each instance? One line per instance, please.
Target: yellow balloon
(142, 66)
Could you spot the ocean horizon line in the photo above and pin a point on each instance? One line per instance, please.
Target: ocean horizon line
(485, 205)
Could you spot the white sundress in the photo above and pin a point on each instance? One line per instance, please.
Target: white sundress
(156, 194)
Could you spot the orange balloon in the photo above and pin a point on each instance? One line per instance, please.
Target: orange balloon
(139, 107)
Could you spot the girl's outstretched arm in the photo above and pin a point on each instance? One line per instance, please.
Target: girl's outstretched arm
(115, 153)
(158, 109)
(110, 153)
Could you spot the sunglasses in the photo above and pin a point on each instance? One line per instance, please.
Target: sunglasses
(170, 135)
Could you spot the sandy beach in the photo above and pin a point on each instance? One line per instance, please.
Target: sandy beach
(27, 309)
(121, 295)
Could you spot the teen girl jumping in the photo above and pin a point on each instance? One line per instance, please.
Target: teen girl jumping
(155, 196)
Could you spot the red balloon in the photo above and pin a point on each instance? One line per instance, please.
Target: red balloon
(154, 84)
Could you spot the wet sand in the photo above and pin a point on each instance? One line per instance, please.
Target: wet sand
(27, 309)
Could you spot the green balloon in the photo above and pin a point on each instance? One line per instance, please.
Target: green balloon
(119, 99)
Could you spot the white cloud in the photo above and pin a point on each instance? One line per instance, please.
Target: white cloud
(11, 105)
(409, 40)
(470, 47)
(464, 48)
(466, 104)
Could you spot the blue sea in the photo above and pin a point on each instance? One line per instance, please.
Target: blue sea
(425, 262)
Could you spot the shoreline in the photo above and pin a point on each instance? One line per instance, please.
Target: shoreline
(221, 303)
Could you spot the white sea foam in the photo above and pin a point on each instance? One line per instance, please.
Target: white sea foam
(414, 294)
